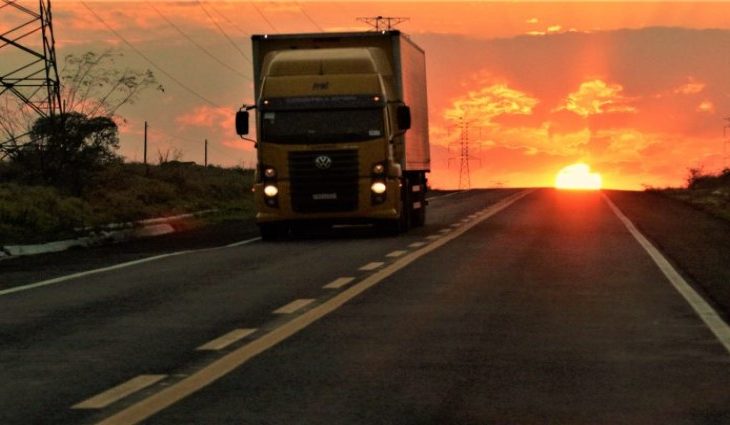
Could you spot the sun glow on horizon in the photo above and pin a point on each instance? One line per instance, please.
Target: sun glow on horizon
(578, 177)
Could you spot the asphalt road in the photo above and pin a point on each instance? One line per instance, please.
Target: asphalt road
(542, 310)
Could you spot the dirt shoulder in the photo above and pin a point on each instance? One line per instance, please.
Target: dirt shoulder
(697, 243)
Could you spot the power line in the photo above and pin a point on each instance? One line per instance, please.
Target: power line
(147, 59)
(203, 49)
(301, 9)
(225, 18)
(223, 32)
(264, 16)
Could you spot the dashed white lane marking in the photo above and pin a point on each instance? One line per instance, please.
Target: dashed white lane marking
(433, 237)
(112, 395)
(226, 340)
(395, 254)
(372, 266)
(339, 282)
(416, 244)
(444, 230)
(456, 225)
(170, 395)
(87, 273)
(294, 306)
(700, 306)
(464, 220)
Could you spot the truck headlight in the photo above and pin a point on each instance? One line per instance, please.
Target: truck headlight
(378, 187)
(271, 191)
(378, 169)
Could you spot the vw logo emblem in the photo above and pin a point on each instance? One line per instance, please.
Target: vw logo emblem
(323, 162)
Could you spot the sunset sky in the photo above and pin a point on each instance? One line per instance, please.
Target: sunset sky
(639, 91)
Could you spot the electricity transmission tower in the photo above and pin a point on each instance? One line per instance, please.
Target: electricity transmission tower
(464, 155)
(383, 23)
(32, 80)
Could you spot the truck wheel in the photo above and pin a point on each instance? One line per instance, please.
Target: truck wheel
(273, 231)
(419, 216)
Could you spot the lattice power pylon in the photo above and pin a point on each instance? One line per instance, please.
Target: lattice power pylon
(28, 68)
(464, 157)
(383, 23)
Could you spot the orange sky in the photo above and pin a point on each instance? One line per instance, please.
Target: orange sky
(636, 90)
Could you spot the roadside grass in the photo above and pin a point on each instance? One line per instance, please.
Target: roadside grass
(707, 192)
(122, 193)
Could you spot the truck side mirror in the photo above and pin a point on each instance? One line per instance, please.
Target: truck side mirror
(403, 116)
(242, 123)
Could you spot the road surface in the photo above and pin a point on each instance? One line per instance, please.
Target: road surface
(509, 307)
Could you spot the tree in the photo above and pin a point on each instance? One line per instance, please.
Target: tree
(64, 149)
(73, 148)
(93, 84)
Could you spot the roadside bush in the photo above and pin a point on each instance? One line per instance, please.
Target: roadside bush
(35, 213)
(119, 193)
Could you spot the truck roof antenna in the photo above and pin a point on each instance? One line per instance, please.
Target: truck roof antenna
(383, 23)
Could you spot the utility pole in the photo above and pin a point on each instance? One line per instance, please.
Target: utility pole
(206, 153)
(146, 167)
(724, 144)
(383, 23)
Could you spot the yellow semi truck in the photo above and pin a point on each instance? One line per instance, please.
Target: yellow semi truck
(341, 130)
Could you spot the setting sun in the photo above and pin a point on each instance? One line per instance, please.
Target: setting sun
(578, 177)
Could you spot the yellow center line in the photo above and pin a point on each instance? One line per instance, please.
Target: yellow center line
(372, 266)
(226, 340)
(339, 282)
(119, 392)
(294, 306)
(226, 364)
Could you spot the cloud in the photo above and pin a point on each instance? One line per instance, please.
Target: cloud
(489, 102)
(706, 106)
(207, 116)
(692, 86)
(597, 97)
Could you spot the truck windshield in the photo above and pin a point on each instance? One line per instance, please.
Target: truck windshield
(326, 126)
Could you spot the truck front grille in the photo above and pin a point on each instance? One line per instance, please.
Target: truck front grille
(316, 187)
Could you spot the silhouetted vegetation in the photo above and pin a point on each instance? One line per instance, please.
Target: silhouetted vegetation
(117, 192)
(706, 191)
(71, 149)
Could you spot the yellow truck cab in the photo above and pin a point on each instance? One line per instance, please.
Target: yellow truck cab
(342, 130)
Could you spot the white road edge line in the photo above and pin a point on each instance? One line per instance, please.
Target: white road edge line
(157, 402)
(447, 195)
(700, 306)
(339, 282)
(117, 393)
(114, 267)
(294, 306)
(246, 242)
(225, 340)
(87, 273)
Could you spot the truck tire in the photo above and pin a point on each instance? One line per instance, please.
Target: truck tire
(273, 231)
